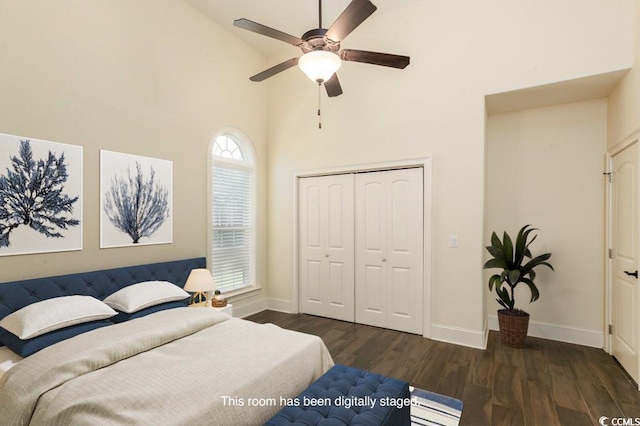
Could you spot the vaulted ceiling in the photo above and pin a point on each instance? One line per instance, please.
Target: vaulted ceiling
(294, 17)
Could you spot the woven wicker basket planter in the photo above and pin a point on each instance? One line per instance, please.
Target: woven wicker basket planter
(513, 327)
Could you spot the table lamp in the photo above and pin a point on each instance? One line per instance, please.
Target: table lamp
(199, 282)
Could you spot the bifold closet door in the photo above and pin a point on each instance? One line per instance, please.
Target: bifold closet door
(389, 249)
(326, 246)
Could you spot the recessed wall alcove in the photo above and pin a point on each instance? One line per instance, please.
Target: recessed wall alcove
(545, 154)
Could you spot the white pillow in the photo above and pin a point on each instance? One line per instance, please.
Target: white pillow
(54, 314)
(135, 297)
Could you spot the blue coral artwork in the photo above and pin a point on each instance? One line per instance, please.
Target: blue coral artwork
(135, 200)
(40, 196)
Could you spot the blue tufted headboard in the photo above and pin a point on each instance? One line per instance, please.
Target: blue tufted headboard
(99, 284)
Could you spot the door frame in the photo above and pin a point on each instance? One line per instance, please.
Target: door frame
(425, 164)
(634, 138)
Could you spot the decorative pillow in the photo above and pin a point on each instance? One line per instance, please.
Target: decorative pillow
(53, 314)
(123, 316)
(30, 346)
(142, 295)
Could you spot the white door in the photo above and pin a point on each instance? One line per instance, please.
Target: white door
(389, 249)
(624, 265)
(326, 246)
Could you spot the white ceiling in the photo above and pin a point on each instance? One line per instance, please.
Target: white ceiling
(577, 90)
(293, 17)
(296, 17)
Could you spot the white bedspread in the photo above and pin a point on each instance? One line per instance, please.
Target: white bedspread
(8, 359)
(181, 366)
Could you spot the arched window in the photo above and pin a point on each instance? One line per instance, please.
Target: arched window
(233, 213)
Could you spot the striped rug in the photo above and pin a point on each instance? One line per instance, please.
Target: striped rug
(428, 408)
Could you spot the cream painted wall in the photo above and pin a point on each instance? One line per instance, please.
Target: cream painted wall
(156, 78)
(145, 77)
(460, 51)
(545, 168)
(624, 102)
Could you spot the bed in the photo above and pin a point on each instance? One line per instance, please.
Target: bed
(174, 366)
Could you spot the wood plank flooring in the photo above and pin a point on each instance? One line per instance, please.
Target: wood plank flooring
(547, 383)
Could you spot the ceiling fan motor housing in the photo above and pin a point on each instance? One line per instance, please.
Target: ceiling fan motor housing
(315, 40)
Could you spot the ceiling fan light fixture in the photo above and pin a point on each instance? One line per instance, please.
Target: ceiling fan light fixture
(319, 65)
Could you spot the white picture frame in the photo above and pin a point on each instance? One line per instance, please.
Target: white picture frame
(40, 196)
(136, 199)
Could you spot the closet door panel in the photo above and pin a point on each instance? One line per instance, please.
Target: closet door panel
(371, 298)
(337, 284)
(312, 221)
(400, 232)
(405, 257)
(361, 248)
(339, 251)
(400, 292)
(314, 280)
(389, 230)
(326, 250)
(336, 215)
(311, 224)
(373, 225)
(371, 229)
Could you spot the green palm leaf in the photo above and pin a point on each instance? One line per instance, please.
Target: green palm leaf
(537, 261)
(496, 281)
(534, 290)
(495, 252)
(495, 241)
(507, 301)
(495, 263)
(510, 258)
(508, 250)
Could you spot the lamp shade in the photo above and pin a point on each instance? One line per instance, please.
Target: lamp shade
(200, 280)
(319, 65)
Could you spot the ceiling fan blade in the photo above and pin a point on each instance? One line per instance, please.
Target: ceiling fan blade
(333, 86)
(275, 70)
(375, 58)
(246, 24)
(351, 17)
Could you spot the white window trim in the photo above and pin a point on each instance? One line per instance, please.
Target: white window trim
(249, 152)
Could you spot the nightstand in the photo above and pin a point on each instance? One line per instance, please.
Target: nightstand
(226, 309)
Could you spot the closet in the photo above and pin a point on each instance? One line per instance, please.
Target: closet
(361, 247)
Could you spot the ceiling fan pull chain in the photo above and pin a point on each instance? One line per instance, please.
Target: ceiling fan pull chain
(319, 105)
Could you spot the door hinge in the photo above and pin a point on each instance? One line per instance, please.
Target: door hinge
(609, 175)
(610, 329)
(610, 253)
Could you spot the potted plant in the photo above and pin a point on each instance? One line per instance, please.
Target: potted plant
(517, 265)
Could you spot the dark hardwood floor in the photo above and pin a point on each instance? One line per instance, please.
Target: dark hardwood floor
(547, 383)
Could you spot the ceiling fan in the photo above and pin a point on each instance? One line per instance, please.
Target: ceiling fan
(321, 47)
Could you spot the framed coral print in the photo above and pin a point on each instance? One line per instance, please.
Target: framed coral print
(40, 196)
(135, 200)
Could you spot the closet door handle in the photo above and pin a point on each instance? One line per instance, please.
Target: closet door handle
(326, 255)
(632, 274)
(384, 259)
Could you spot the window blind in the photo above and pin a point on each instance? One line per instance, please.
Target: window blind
(232, 228)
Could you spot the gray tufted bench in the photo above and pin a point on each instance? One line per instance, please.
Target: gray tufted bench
(349, 396)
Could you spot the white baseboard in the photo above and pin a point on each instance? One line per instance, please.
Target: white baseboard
(459, 336)
(456, 335)
(241, 310)
(561, 333)
(280, 305)
(247, 309)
